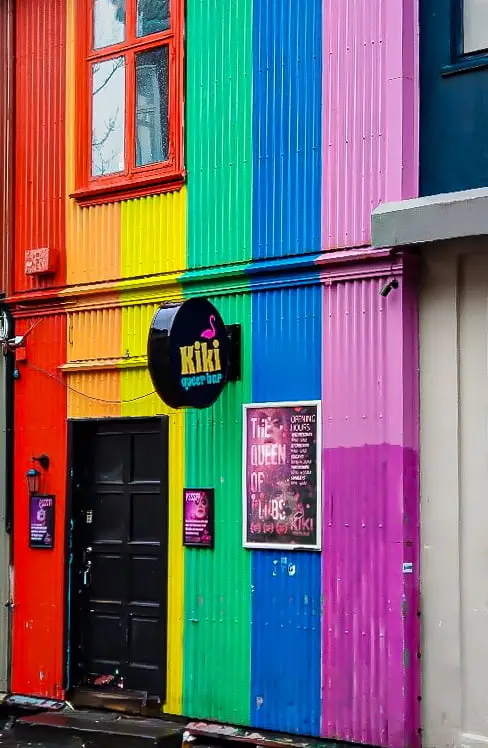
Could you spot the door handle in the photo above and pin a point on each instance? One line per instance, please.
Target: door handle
(87, 574)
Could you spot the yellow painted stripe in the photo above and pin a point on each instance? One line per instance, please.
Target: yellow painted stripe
(154, 235)
(136, 320)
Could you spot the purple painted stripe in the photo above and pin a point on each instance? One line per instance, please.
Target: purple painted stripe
(370, 668)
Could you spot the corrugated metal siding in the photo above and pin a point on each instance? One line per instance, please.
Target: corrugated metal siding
(354, 143)
(286, 629)
(218, 583)
(94, 394)
(93, 234)
(370, 113)
(219, 126)
(135, 382)
(154, 234)
(40, 426)
(93, 252)
(287, 110)
(40, 134)
(136, 321)
(370, 666)
(93, 336)
(6, 138)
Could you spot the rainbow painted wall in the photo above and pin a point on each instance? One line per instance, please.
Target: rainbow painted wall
(300, 117)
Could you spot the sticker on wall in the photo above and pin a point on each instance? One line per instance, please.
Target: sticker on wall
(282, 476)
(188, 354)
(41, 521)
(198, 517)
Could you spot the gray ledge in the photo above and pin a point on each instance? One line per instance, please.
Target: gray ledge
(453, 215)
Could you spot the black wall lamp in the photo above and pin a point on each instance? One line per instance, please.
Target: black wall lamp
(33, 477)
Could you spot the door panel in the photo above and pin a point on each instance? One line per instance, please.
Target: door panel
(120, 543)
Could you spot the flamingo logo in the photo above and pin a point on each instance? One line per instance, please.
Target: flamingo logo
(209, 333)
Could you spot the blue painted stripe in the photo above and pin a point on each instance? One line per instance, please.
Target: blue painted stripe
(287, 112)
(286, 632)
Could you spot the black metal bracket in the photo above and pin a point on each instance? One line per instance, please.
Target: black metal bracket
(234, 336)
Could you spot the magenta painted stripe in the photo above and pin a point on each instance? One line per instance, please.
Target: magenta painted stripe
(370, 668)
(370, 113)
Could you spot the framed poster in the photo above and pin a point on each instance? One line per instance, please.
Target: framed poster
(282, 495)
(198, 517)
(41, 521)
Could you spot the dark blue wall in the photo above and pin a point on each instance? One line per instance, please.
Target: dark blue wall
(453, 109)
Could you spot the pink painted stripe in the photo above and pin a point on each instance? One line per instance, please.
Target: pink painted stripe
(370, 113)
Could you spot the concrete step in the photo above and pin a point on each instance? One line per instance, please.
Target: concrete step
(96, 729)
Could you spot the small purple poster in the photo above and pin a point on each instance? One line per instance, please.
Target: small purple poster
(41, 521)
(282, 476)
(198, 517)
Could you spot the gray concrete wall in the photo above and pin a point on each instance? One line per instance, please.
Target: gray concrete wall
(454, 493)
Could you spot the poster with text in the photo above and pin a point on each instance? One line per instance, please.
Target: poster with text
(198, 529)
(41, 521)
(281, 476)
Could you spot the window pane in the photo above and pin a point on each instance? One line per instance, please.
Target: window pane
(108, 23)
(152, 16)
(152, 95)
(108, 116)
(475, 24)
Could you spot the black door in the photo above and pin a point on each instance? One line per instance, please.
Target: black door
(119, 542)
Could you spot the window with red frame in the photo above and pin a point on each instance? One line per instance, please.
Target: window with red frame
(129, 97)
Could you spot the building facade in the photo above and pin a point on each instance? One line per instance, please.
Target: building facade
(230, 151)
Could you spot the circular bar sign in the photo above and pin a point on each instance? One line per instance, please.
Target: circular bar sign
(188, 354)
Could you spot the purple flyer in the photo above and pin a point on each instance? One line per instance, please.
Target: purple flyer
(281, 482)
(41, 521)
(198, 517)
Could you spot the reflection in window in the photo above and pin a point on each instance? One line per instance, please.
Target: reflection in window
(152, 16)
(152, 96)
(108, 116)
(108, 23)
(475, 25)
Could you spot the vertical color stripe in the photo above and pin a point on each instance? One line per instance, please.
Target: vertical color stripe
(219, 163)
(287, 88)
(370, 665)
(218, 112)
(370, 113)
(94, 335)
(154, 235)
(136, 319)
(287, 109)
(40, 145)
(285, 663)
(40, 427)
(217, 589)
(92, 234)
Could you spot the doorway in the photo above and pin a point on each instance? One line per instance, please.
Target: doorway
(119, 554)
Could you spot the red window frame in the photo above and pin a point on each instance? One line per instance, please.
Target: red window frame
(133, 181)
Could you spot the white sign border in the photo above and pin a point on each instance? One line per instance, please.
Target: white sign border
(283, 546)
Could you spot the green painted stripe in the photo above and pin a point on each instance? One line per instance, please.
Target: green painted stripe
(217, 607)
(217, 626)
(219, 131)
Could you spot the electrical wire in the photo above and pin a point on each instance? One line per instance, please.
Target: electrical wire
(84, 394)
